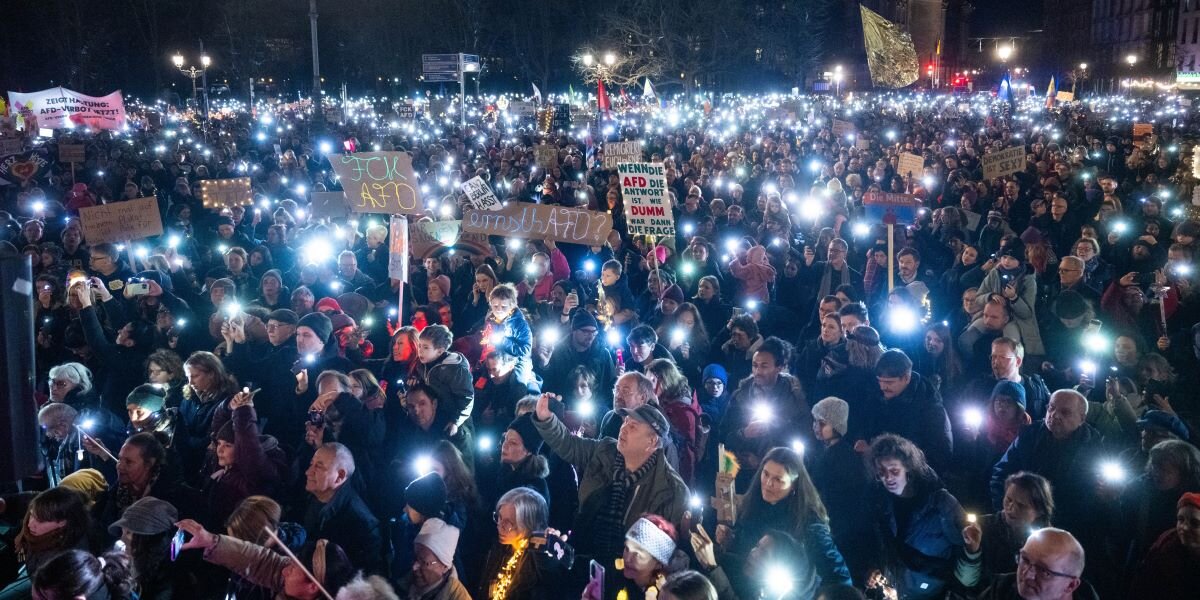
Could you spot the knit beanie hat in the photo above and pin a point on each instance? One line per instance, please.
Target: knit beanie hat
(834, 411)
(147, 516)
(674, 293)
(1011, 390)
(284, 315)
(319, 324)
(440, 537)
(226, 432)
(530, 438)
(147, 396)
(583, 319)
(427, 495)
(656, 541)
(89, 482)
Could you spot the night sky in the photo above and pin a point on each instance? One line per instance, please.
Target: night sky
(1005, 17)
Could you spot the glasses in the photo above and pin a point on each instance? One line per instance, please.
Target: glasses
(1039, 572)
(504, 524)
(429, 563)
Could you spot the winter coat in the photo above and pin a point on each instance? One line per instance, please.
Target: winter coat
(450, 377)
(755, 274)
(123, 367)
(1069, 465)
(921, 551)
(737, 362)
(346, 521)
(259, 466)
(193, 431)
(660, 491)
(1169, 571)
(269, 368)
(791, 416)
(683, 414)
(842, 480)
(539, 575)
(1005, 588)
(916, 414)
(564, 360)
(1022, 308)
(822, 564)
(256, 564)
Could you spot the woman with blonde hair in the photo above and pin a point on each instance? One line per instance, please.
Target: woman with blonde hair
(209, 386)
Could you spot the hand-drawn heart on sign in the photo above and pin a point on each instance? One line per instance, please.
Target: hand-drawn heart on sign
(19, 168)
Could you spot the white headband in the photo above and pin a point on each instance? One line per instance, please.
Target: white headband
(654, 540)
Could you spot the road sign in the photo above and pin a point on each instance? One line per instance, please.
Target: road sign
(439, 63)
(470, 63)
(440, 77)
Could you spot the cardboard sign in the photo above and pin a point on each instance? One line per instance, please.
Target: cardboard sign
(647, 203)
(222, 193)
(333, 115)
(10, 146)
(842, 128)
(128, 220)
(547, 156)
(911, 164)
(522, 109)
(71, 153)
(862, 144)
(1004, 162)
(1141, 130)
(1065, 96)
(329, 205)
(398, 248)
(619, 152)
(24, 166)
(378, 182)
(541, 222)
(426, 238)
(879, 207)
(406, 111)
(479, 194)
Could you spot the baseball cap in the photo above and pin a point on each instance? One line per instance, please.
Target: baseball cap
(649, 415)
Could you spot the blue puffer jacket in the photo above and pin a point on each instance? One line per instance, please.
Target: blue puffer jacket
(921, 550)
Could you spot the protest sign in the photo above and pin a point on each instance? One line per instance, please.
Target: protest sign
(398, 248)
(59, 108)
(547, 156)
(225, 193)
(479, 194)
(405, 111)
(329, 205)
(541, 222)
(562, 117)
(24, 166)
(378, 182)
(71, 153)
(911, 164)
(862, 144)
(522, 109)
(426, 238)
(1004, 162)
(647, 205)
(1065, 96)
(123, 221)
(1142, 133)
(879, 207)
(10, 146)
(842, 128)
(619, 152)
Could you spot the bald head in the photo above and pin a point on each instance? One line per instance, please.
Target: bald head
(1066, 413)
(1050, 565)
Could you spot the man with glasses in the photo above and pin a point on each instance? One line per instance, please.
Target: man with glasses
(1049, 567)
(1071, 276)
(826, 275)
(269, 366)
(582, 347)
(105, 262)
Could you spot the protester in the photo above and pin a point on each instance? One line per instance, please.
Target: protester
(528, 560)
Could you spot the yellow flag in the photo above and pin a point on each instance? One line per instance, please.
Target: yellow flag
(891, 56)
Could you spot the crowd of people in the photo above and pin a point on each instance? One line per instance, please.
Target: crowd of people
(990, 401)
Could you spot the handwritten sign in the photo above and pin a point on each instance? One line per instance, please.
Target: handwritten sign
(862, 144)
(541, 222)
(546, 156)
(406, 111)
(879, 207)
(522, 109)
(378, 182)
(911, 164)
(329, 205)
(479, 194)
(223, 193)
(121, 221)
(1065, 96)
(1004, 162)
(398, 248)
(71, 153)
(426, 238)
(1142, 133)
(647, 205)
(842, 128)
(10, 146)
(619, 152)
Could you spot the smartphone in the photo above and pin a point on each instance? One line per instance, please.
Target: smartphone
(1144, 278)
(139, 289)
(596, 578)
(316, 418)
(177, 544)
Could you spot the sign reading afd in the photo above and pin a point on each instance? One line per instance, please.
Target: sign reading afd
(541, 222)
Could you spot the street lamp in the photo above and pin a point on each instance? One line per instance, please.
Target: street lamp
(588, 59)
(193, 73)
(610, 59)
(837, 79)
(1004, 53)
(1082, 66)
(1131, 59)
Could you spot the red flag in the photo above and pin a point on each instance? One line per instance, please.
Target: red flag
(625, 96)
(602, 97)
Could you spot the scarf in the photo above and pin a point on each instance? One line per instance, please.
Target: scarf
(610, 522)
(827, 276)
(29, 544)
(508, 573)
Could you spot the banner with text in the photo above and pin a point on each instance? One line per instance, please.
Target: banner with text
(398, 248)
(479, 194)
(226, 193)
(123, 221)
(541, 222)
(616, 153)
(60, 108)
(647, 204)
(427, 237)
(378, 182)
(880, 207)
(1004, 162)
